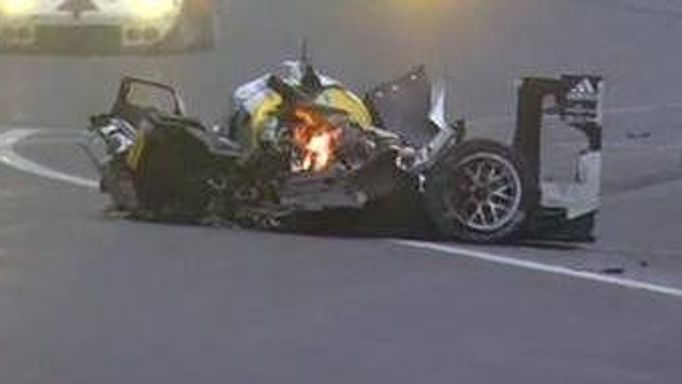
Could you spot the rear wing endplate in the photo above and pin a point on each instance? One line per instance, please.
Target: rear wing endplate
(577, 101)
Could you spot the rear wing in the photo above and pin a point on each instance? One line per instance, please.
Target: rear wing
(577, 101)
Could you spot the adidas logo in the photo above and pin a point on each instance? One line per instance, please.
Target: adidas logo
(585, 90)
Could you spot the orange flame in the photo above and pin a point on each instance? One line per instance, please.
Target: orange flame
(317, 139)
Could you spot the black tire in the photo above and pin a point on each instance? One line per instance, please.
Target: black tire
(464, 206)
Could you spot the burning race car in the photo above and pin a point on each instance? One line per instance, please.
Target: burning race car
(300, 144)
(106, 26)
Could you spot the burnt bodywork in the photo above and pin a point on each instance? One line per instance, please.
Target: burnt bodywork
(390, 158)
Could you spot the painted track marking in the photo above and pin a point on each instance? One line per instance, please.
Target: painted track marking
(10, 157)
(541, 267)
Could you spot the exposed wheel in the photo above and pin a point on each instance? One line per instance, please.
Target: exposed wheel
(478, 193)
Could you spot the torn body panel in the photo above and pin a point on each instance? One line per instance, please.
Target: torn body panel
(299, 142)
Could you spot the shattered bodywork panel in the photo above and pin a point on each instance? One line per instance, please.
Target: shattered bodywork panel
(299, 142)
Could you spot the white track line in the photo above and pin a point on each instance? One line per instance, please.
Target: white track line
(11, 158)
(540, 267)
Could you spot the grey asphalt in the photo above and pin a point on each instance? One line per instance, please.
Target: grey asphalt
(87, 298)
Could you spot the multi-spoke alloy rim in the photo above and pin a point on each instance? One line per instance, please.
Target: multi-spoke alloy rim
(485, 193)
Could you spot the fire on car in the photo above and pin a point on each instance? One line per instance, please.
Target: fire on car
(300, 143)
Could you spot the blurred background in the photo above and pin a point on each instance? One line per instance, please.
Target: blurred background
(88, 299)
(483, 46)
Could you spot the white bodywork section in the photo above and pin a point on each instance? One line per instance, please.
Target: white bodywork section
(107, 10)
(580, 197)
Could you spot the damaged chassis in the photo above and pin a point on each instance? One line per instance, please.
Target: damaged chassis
(402, 165)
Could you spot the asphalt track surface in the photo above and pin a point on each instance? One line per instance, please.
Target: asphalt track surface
(87, 298)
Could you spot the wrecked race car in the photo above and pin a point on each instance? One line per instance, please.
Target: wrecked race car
(300, 144)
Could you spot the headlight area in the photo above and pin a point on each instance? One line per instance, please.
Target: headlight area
(132, 24)
(14, 30)
(153, 20)
(152, 9)
(17, 8)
